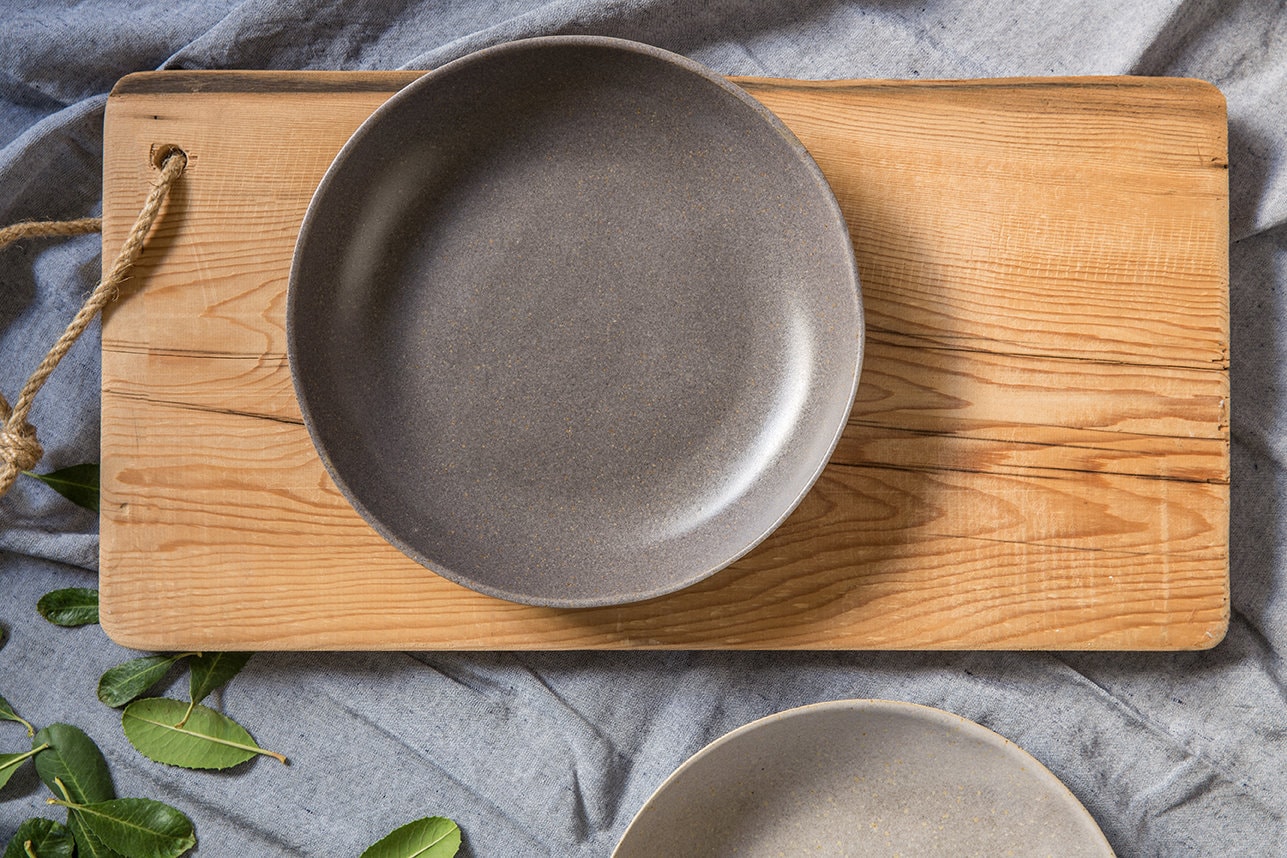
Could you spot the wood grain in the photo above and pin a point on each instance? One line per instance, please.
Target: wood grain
(1038, 455)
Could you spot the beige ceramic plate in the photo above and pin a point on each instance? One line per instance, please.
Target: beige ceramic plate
(862, 778)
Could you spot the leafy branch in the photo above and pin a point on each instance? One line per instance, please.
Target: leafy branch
(99, 825)
(163, 729)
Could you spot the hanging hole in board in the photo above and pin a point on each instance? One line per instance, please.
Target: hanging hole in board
(161, 153)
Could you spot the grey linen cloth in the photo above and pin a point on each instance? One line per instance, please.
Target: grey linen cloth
(552, 753)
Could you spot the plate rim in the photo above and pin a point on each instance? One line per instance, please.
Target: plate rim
(918, 711)
(826, 196)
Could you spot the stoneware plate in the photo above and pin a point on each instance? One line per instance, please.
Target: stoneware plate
(574, 321)
(862, 778)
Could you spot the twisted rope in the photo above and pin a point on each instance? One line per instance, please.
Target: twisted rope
(50, 228)
(19, 448)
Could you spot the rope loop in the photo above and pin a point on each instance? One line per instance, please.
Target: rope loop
(19, 448)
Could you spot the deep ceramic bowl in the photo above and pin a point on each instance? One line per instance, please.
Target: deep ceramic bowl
(573, 321)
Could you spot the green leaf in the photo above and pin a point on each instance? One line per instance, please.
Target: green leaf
(73, 758)
(432, 837)
(75, 606)
(87, 845)
(212, 670)
(10, 763)
(137, 827)
(48, 839)
(79, 484)
(7, 714)
(130, 679)
(206, 739)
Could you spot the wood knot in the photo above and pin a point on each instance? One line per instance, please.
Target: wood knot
(19, 451)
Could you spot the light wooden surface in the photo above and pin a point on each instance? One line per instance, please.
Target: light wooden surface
(1038, 456)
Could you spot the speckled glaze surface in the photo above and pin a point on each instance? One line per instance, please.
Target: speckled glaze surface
(862, 778)
(573, 321)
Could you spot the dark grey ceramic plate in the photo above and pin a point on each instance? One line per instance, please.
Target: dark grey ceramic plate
(573, 321)
(860, 778)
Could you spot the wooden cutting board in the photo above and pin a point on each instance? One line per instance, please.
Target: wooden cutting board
(1038, 455)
